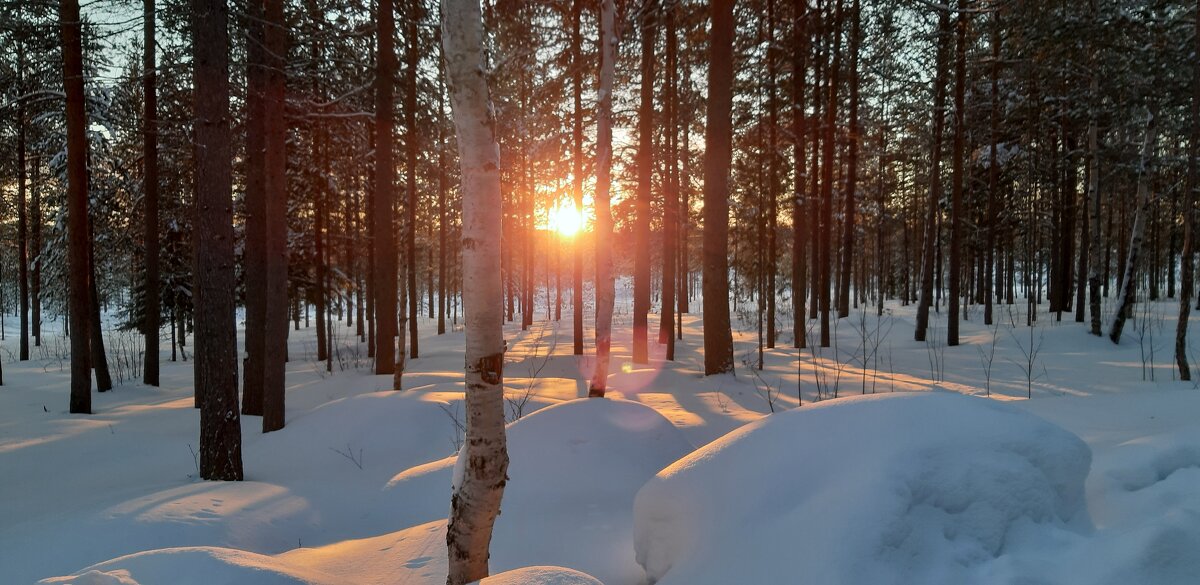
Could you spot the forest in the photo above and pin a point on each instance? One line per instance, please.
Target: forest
(573, 292)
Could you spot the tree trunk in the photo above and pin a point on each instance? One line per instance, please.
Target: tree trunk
(718, 130)
(35, 243)
(274, 346)
(928, 264)
(99, 357)
(476, 496)
(825, 260)
(1189, 217)
(799, 193)
(645, 170)
(960, 80)
(410, 169)
(1129, 281)
(666, 331)
(848, 220)
(603, 243)
(254, 261)
(77, 208)
(22, 220)
(152, 315)
(384, 249)
(577, 66)
(216, 335)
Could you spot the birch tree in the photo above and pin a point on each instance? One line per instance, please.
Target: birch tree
(1128, 283)
(483, 461)
(605, 288)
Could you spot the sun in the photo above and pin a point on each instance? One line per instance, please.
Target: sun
(564, 219)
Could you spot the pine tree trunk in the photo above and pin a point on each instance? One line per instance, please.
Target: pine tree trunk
(1129, 281)
(275, 213)
(1186, 269)
(666, 331)
(255, 254)
(828, 162)
(384, 249)
(476, 497)
(77, 208)
(799, 193)
(152, 313)
(928, 260)
(99, 356)
(605, 292)
(645, 169)
(22, 220)
(960, 80)
(410, 169)
(35, 243)
(772, 251)
(441, 162)
(216, 336)
(577, 66)
(848, 221)
(718, 129)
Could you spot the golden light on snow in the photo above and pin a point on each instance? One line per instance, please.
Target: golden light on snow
(564, 219)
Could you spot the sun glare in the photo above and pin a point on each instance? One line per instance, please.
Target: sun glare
(564, 219)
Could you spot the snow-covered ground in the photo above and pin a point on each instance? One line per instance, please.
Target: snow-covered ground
(931, 488)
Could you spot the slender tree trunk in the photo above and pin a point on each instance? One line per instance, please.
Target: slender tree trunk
(772, 251)
(22, 206)
(645, 170)
(1129, 281)
(577, 66)
(275, 212)
(384, 249)
(718, 130)
(441, 163)
(216, 336)
(99, 357)
(666, 331)
(928, 263)
(77, 207)
(477, 492)
(1186, 283)
(800, 50)
(956, 215)
(410, 169)
(991, 268)
(848, 221)
(1098, 268)
(828, 161)
(152, 316)
(255, 255)
(603, 241)
(35, 243)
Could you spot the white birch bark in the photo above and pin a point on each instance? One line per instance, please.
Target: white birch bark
(475, 500)
(1129, 283)
(604, 279)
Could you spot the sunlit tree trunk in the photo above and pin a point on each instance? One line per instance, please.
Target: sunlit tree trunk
(604, 278)
(475, 502)
(384, 249)
(718, 338)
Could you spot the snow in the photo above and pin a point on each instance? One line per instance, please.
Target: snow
(895, 488)
(574, 470)
(112, 497)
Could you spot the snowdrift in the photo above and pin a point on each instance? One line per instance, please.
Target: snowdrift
(901, 488)
(575, 468)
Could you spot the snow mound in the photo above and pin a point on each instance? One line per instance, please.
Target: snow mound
(195, 566)
(575, 468)
(541, 576)
(900, 488)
